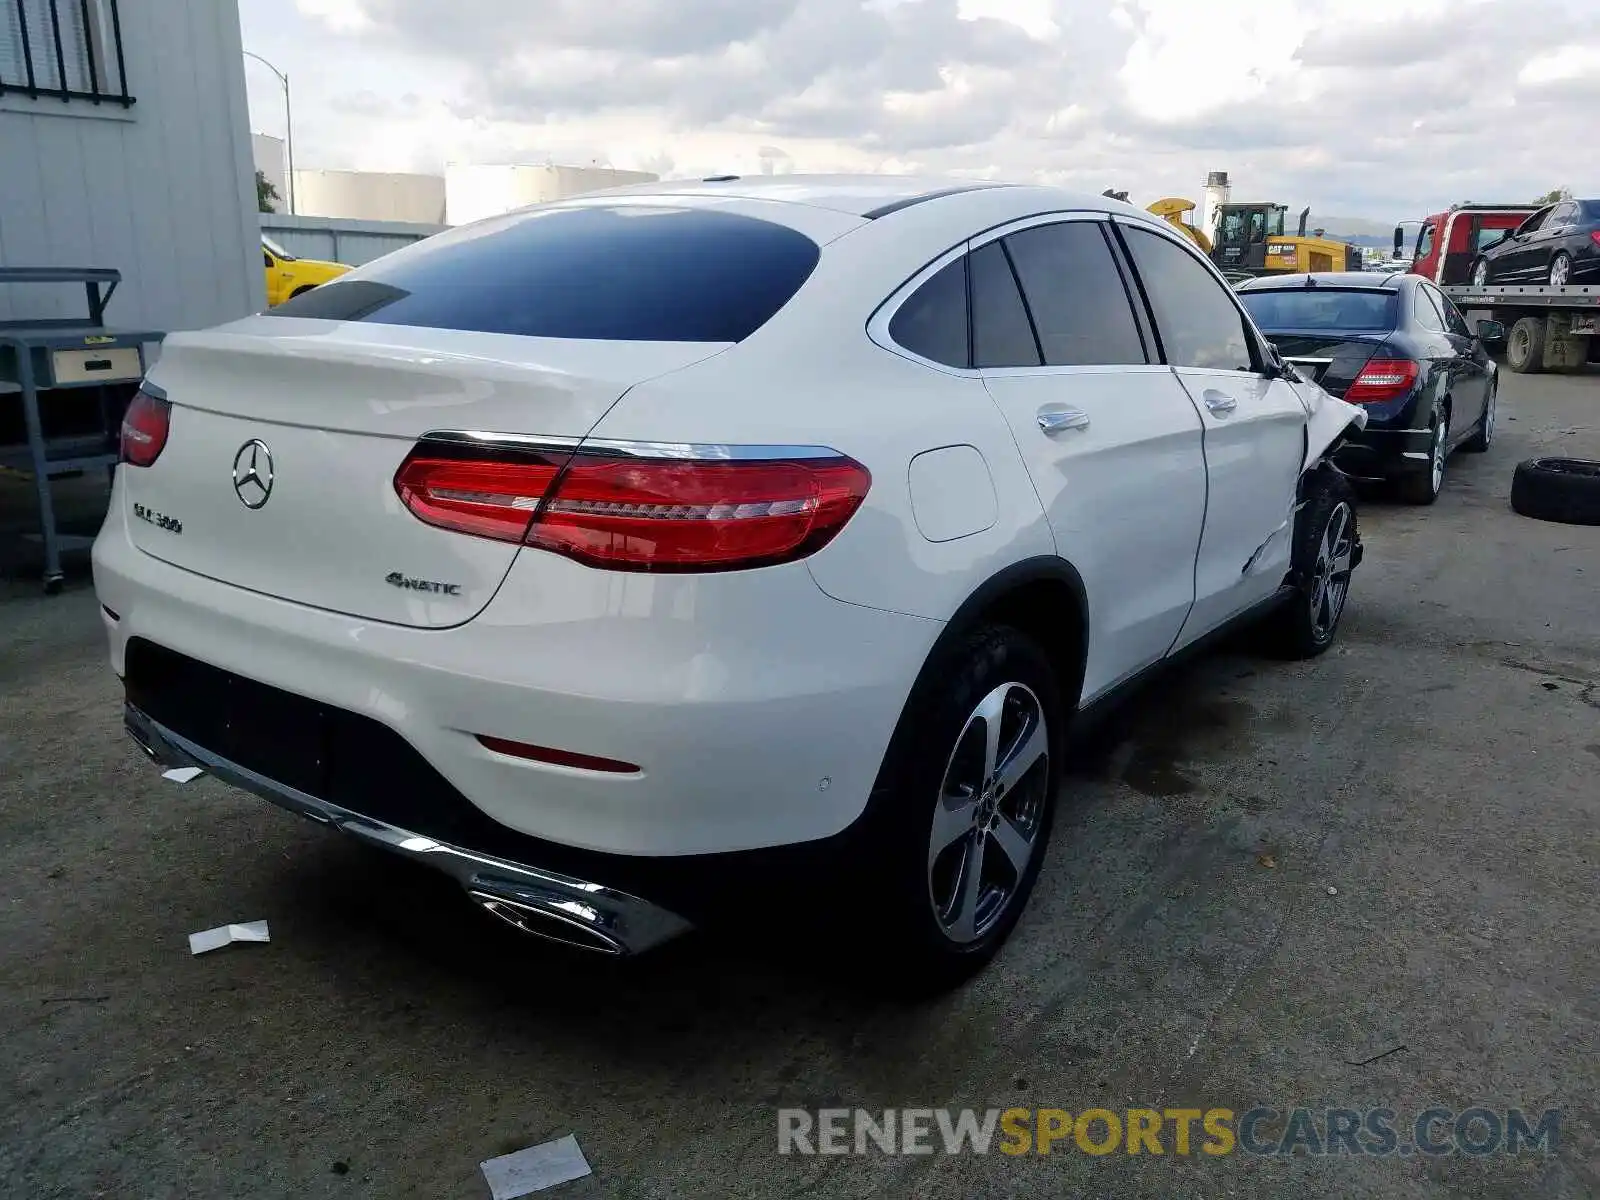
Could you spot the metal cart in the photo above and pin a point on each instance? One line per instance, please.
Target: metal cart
(41, 355)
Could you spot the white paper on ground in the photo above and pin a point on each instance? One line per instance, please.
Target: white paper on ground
(223, 935)
(534, 1169)
(183, 774)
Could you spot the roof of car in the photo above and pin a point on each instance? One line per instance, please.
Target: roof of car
(869, 196)
(1338, 279)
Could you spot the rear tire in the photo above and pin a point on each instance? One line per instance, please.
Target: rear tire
(1480, 273)
(1327, 549)
(1561, 270)
(1423, 487)
(947, 799)
(1525, 346)
(1483, 438)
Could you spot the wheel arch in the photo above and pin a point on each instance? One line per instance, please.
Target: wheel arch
(1029, 596)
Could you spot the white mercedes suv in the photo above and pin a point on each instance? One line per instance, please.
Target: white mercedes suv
(619, 552)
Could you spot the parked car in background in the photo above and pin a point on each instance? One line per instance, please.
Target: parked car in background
(288, 276)
(1401, 349)
(1448, 243)
(772, 528)
(1558, 245)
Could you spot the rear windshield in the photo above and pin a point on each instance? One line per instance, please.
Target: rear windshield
(1321, 308)
(1591, 210)
(606, 273)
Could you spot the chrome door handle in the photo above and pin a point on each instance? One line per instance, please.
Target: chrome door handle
(1219, 402)
(1058, 420)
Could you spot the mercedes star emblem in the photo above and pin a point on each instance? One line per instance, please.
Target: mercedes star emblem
(252, 473)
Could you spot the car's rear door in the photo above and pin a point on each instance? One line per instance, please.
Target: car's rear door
(1109, 436)
(1469, 367)
(1254, 426)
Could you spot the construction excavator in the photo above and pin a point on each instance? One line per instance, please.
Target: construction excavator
(1249, 239)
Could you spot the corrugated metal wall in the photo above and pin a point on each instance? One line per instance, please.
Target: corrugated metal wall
(341, 240)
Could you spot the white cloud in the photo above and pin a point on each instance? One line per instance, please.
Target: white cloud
(1387, 109)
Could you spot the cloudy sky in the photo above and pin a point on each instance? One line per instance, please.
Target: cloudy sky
(1377, 108)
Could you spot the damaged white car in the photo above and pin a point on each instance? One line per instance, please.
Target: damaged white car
(704, 540)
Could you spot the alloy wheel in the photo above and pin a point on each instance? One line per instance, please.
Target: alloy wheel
(1441, 439)
(989, 812)
(1330, 578)
(1488, 416)
(1480, 274)
(1560, 270)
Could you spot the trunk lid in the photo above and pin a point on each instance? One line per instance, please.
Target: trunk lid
(326, 412)
(1332, 360)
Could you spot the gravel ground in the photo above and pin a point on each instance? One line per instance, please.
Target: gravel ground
(1425, 796)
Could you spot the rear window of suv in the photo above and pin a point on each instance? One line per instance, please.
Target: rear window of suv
(604, 272)
(1321, 308)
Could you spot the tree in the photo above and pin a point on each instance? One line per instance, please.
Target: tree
(1553, 195)
(265, 193)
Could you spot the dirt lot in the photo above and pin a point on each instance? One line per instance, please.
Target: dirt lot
(1438, 771)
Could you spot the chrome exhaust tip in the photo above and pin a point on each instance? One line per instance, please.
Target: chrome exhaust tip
(545, 921)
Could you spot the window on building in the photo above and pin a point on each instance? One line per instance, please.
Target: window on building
(65, 48)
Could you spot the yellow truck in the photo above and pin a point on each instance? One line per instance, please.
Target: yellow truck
(289, 276)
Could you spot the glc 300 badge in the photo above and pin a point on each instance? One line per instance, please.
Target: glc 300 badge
(395, 579)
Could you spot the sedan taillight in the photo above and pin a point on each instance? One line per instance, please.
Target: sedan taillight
(637, 512)
(144, 429)
(1594, 236)
(1383, 379)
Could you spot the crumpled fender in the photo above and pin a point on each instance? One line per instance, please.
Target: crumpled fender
(1328, 419)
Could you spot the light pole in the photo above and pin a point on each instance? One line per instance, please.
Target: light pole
(288, 122)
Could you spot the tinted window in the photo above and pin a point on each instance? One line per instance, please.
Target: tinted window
(1075, 295)
(1195, 313)
(1565, 214)
(933, 322)
(1001, 334)
(1428, 314)
(613, 273)
(1534, 221)
(1453, 320)
(1591, 210)
(1320, 308)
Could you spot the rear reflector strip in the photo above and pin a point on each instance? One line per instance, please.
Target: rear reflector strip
(560, 758)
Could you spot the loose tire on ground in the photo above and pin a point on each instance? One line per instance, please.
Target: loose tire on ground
(1327, 549)
(1566, 490)
(904, 941)
(1525, 346)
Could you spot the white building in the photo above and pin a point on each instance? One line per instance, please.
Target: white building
(369, 196)
(474, 192)
(138, 159)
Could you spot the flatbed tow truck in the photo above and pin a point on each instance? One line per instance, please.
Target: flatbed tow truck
(1547, 328)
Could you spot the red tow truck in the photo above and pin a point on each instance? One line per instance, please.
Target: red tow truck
(1548, 328)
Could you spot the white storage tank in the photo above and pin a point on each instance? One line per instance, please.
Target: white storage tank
(370, 196)
(474, 192)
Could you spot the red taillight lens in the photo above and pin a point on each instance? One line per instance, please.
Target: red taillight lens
(1383, 379)
(631, 513)
(144, 429)
(492, 497)
(1594, 236)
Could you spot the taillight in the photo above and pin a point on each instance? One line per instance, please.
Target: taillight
(629, 512)
(144, 429)
(1383, 379)
(1594, 236)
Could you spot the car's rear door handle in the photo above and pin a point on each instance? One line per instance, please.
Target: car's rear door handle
(1218, 402)
(1059, 419)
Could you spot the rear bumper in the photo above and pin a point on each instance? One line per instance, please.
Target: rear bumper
(546, 903)
(1377, 453)
(757, 708)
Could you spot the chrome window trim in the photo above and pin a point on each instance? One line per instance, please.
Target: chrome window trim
(627, 448)
(878, 323)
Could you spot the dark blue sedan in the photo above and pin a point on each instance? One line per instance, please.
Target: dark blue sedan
(1558, 245)
(1396, 345)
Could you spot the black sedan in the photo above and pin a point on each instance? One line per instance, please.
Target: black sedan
(1397, 346)
(1558, 245)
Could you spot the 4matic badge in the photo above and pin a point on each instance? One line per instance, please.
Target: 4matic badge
(395, 579)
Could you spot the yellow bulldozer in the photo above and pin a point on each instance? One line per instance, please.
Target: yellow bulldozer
(1250, 239)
